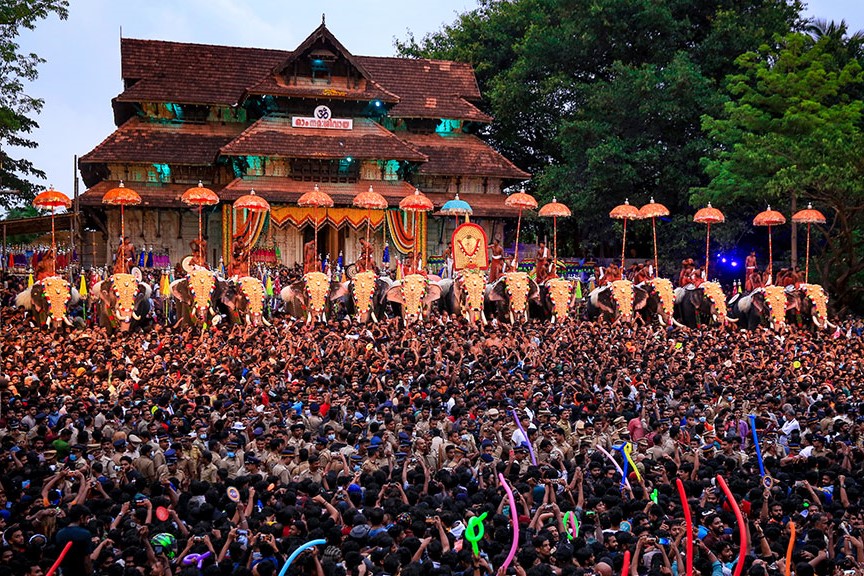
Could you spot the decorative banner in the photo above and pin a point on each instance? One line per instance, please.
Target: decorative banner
(338, 217)
(688, 520)
(403, 238)
(475, 530)
(239, 227)
(742, 527)
(514, 519)
(470, 247)
(302, 548)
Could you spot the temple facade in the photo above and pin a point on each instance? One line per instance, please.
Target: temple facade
(280, 123)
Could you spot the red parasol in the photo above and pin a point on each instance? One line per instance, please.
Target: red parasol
(121, 196)
(370, 200)
(708, 215)
(624, 212)
(555, 210)
(52, 199)
(315, 199)
(416, 202)
(654, 210)
(808, 216)
(769, 218)
(199, 196)
(521, 201)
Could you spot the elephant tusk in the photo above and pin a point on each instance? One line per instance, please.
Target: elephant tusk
(324, 317)
(135, 316)
(678, 324)
(67, 321)
(830, 325)
(552, 320)
(660, 317)
(733, 320)
(266, 323)
(248, 319)
(483, 317)
(212, 310)
(308, 317)
(512, 321)
(216, 319)
(374, 318)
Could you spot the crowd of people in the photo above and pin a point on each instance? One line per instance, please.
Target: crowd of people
(172, 452)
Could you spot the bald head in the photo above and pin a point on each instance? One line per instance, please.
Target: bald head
(603, 569)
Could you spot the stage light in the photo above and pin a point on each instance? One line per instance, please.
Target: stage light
(723, 260)
(734, 264)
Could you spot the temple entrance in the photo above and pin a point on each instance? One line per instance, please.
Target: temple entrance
(330, 240)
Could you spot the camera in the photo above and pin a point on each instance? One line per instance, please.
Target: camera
(198, 539)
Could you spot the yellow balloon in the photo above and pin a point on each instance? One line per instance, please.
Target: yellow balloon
(678, 345)
(796, 364)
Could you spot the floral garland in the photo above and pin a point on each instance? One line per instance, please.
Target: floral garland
(775, 299)
(201, 285)
(819, 298)
(125, 288)
(317, 288)
(57, 294)
(622, 294)
(714, 292)
(253, 290)
(363, 288)
(666, 293)
(518, 286)
(414, 289)
(474, 285)
(560, 291)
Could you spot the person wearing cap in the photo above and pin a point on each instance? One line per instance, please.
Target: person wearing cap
(232, 459)
(285, 468)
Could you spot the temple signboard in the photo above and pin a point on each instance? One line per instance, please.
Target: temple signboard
(322, 118)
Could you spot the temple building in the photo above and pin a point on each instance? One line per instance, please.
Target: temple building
(281, 123)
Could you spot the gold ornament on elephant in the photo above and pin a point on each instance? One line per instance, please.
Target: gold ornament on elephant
(364, 289)
(57, 293)
(622, 293)
(560, 291)
(666, 293)
(470, 247)
(317, 288)
(518, 286)
(819, 298)
(253, 290)
(775, 298)
(414, 288)
(474, 284)
(125, 288)
(714, 292)
(201, 284)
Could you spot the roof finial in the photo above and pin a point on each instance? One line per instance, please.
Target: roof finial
(323, 19)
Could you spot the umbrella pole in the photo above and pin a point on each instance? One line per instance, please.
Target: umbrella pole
(200, 236)
(414, 267)
(555, 242)
(516, 249)
(707, 244)
(368, 229)
(53, 246)
(807, 266)
(623, 246)
(654, 230)
(770, 257)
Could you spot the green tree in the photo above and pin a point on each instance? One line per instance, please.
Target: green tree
(16, 106)
(602, 99)
(793, 126)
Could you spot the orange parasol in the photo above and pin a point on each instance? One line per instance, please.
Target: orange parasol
(808, 216)
(522, 201)
(52, 199)
(370, 200)
(121, 196)
(654, 210)
(315, 199)
(708, 215)
(417, 202)
(199, 196)
(769, 218)
(555, 210)
(624, 212)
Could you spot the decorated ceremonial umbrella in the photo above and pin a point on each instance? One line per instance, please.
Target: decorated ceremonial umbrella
(808, 216)
(654, 210)
(708, 215)
(624, 212)
(315, 199)
(769, 218)
(456, 207)
(253, 203)
(121, 196)
(199, 196)
(52, 199)
(414, 203)
(555, 210)
(521, 201)
(370, 200)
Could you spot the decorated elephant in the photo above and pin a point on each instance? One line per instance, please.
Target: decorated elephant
(243, 298)
(762, 306)
(465, 295)
(619, 300)
(309, 297)
(702, 305)
(809, 305)
(122, 301)
(513, 292)
(364, 295)
(557, 299)
(415, 294)
(49, 301)
(660, 304)
(196, 297)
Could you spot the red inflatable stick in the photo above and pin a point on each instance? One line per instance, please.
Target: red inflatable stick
(688, 519)
(790, 548)
(59, 559)
(742, 528)
(625, 568)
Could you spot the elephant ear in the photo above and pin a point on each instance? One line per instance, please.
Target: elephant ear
(640, 298)
(496, 291)
(394, 293)
(533, 290)
(180, 290)
(433, 292)
(340, 291)
(95, 293)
